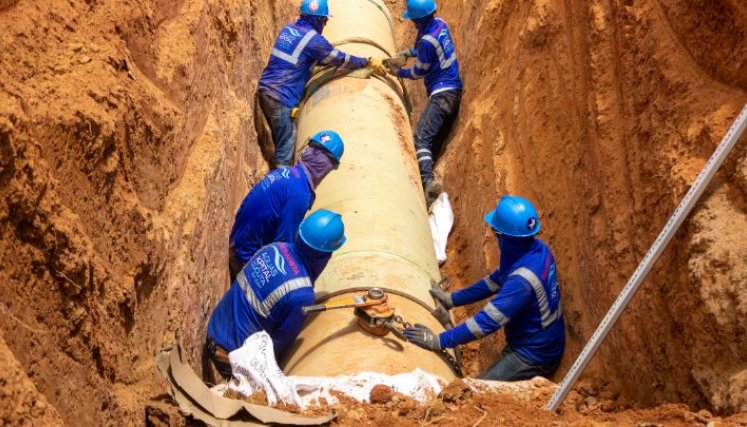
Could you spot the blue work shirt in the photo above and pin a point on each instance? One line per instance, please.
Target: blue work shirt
(436, 60)
(272, 211)
(267, 295)
(526, 303)
(298, 49)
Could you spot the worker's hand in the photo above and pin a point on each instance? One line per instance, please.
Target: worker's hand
(407, 53)
(377, 66)
(443, 297)
(398, 61)
(421, 336)
(393, 68)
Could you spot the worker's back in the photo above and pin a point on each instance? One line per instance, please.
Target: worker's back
(271, 212)
(267, 295)
(537, 331)
(443, 72)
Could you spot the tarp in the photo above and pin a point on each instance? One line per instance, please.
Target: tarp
(195, 398)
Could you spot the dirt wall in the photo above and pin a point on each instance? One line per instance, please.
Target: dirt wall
(126, 141)
(602, 113)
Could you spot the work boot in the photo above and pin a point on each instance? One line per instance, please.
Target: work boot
(432, 189)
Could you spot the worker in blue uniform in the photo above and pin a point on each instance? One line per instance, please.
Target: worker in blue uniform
(525, 300)
(437, 64)
(297, 50)
(270, 291)
(274, 208)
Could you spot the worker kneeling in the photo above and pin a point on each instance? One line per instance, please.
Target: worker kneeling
(274, 208)
(526, 300)
(270, 291)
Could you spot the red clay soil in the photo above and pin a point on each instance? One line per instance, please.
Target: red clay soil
(603, 113)
(129, 134)
(127, 140)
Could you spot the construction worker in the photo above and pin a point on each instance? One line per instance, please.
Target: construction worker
(271, 289)
(299, 47)
(437, 64)
(526, 300)
(274, 208)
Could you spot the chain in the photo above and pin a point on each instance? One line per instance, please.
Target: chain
(391, 324)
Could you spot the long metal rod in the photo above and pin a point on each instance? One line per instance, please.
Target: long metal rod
(648, 261)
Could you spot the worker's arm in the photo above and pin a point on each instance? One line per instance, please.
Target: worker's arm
(292, 319)
(477, 291)
(510, 300)
(293, 212)
(426, 58)
(326, 54)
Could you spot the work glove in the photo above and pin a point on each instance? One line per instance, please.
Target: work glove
(407, 53)
(398, 61)
(443, 297)
(423, 337)
(377, 66)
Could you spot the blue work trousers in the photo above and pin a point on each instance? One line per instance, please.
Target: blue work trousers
(433, 128)
(512, 367)
(283, 128)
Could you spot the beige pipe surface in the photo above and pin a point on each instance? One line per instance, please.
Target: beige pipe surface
(377, 190)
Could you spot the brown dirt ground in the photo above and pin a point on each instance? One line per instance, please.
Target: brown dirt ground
(128, 136)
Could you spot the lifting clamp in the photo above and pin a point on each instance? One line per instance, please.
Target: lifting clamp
(371, 308)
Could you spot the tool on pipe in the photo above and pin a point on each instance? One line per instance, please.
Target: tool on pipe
(666, 235)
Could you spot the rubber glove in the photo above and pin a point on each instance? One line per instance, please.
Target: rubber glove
(422, 336)
(443, 297)
(377, 66)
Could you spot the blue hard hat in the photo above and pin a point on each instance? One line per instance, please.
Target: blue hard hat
(514, 216)
(419, 9)
(331, 142)
(323, 231)
(315, 8)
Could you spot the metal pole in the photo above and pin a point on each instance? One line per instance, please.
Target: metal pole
(648, 261)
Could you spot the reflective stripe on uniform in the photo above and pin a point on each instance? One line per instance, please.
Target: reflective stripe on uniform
(332, 55)
(250, 295)
(422, 66)
(283, 290)
(496, 314)
(265, 307)
(293, 58)
(444, 62)
(539, 291)
(491, 284)
(474, 328)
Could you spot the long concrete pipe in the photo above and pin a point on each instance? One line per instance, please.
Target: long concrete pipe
(377, 190)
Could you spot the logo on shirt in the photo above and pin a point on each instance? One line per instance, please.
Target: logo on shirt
(314, 6)
(294, 32)
(262, 269)
(275, 176)
(531, 223)
(279, 261)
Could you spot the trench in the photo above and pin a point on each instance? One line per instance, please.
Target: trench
(129, 144)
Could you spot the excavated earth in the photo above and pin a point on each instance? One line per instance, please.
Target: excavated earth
(129, 135)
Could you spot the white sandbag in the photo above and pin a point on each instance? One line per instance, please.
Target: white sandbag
(255, 369)
(441, 219)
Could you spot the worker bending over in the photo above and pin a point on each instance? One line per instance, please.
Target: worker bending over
(270, 291)
(526, 300)
(299, 47)
(274, 208)
(437, 64)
